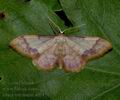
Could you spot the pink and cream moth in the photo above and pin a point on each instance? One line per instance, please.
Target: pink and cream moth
(68, 52)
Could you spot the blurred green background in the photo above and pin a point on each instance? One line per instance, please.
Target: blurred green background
(20, 80)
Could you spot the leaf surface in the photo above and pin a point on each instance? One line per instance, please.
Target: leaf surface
(100, 80)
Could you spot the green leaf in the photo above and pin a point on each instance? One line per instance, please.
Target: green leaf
(53, 4)
(19, 79)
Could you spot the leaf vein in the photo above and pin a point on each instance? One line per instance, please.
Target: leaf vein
(106, 91)
(102, 71)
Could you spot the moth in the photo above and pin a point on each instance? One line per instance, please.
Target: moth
(68, 52)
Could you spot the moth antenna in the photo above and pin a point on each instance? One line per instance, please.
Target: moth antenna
(54, 26)
(74, 27)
